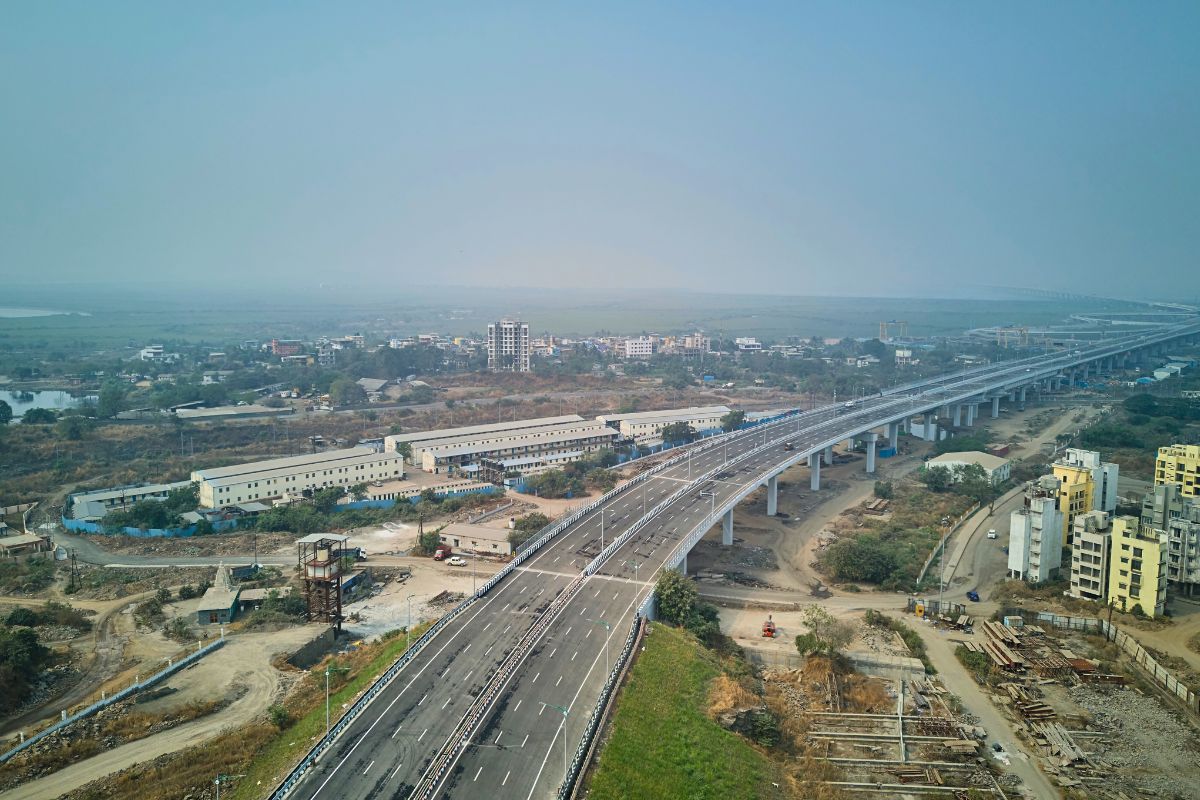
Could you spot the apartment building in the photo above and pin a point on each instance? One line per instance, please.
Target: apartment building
(1035, 533)
(556, 447)
(276, 477)
(490, 434)
(1076, 495)
(1104, 476)
(695, 343)
(508, 346)
(1179, 464)
(639, 347)
(1137, 576)
(1090, 549)
(92, 506)
(1166, 509)
(646, 424)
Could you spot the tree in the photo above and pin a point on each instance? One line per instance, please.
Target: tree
(884, 490)
(5, 413)
(163, 595)
(676, 596)
(324, 500)
(22, 616)
(71, 427)
(677, 432)
(280, 717)
(825, 633)
(38, 416)
(345, 392)
(111, 401)
(405, 449)
(732, 421)
(527, 526)
(938, 479)
(358, 491)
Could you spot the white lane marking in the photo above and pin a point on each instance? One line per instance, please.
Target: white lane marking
(574, 654)
(368, 769)
(498, 735)
(581, 611)
(485, 652)
(518, 705)
(552, 652)
(398, 727)
(523, 588)
(468, 675)
(422, 700)
(396, 771)
(535, 677)
(557, 682)
(477, 775)
(468, 647)
(506, 777)
(569, 629)
(597, 594)
(422, 736)
(445, 703)
(589, 633)
(615, 594)
(485, 627)
(526, 739)
(543, 709)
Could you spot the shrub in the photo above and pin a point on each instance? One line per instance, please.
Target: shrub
(22, 616)
(280, 717)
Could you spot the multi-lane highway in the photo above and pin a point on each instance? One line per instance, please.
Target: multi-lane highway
(534, 653)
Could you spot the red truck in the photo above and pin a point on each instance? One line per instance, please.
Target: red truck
(443, 551)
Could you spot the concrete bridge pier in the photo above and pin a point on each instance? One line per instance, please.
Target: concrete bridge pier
(1021, 398)
(996, 407)
(683, 565)
(972, 412)
(872, 439)
(829, 456)
(893, 434)
(772, 499)
(814, 464)
(727, 528)
(906, 424)
(929, 427)
(958, 415)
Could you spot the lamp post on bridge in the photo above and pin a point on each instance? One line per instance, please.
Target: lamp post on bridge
(562, 728)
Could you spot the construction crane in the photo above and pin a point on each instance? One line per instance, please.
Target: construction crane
(884, 329)
(1018, 334)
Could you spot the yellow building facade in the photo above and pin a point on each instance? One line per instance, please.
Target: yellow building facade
(1076, 489)
(1137, 573)
(1179, 464)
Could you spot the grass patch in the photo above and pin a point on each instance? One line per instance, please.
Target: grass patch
(663, 745)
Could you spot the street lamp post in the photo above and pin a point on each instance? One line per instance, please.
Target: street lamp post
(330, 668)
(712, 496)
(608, 629)
(635, 566)
(562, 726)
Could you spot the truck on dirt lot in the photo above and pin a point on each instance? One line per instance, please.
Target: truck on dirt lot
(442, 551)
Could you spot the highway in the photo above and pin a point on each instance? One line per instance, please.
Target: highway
(416, 739)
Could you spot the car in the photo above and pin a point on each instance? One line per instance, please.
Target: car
(973, 596)
(992, 534)
(456, 561)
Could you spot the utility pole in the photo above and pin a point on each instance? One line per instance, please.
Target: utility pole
(562, 729)
(330, 668)
(607, 629)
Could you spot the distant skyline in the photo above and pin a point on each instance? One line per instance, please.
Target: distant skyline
(854, 149)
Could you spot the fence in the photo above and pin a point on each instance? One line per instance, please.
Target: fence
(1130, 646)
(83, 526)
(186, 661)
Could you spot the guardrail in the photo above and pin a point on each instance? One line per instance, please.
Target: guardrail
(129, 691)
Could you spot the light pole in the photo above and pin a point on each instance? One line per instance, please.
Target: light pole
(712, 496)
(220, 778)
(408, 627)
(562, 729)
(330, 668)
(635, 566)
(608, 629)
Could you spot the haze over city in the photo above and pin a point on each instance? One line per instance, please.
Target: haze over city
(798, 148)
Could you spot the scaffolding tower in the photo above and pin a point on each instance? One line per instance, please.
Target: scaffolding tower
(318, 560)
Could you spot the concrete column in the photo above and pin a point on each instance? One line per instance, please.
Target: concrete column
(1087, 370)
(945, 412)
(893, 434)
(996, 407)
(906, 424)
(727, 528)
(931, 427)
(829, 455)
(1021, 400)
(683, 565)
(772, 499)
(872, 438)
(958, 415)
(814, 464)
(972, 410)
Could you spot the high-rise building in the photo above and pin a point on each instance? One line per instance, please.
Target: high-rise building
(1076, 493)
(508, 346)
(1165, 509)
(1104, 477)
(1089, 556)
(1179, 464)
(1137, 573)
(1035, 533)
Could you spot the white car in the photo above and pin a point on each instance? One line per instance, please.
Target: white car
(456, 561)
(992, 534)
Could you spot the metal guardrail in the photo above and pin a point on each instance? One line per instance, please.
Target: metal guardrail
(129, 691)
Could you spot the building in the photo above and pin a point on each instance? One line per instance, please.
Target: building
(295, 475)
(219, 605)
(21, 545)
(286, 347)
(508, 346)
(495, 433)
(1034, 533)
(1104, 476)
(904, 357)
(1137, 576)
(559, 445)
(157, 353)
(695, 344)
(639, 347)
(1090, 547)
(639, 425)
(226, 413)
(476, 539)
(748, 344)
(1179, 464)
(997, 469)
(1165, 509)
(1076, 493)
(92, 506)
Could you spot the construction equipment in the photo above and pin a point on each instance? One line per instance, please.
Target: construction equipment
(768, 628)
(884, 329)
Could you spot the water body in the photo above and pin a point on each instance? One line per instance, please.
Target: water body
(8, 312)
(23, 401)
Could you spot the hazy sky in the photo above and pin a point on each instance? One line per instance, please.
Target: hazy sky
(792, 147)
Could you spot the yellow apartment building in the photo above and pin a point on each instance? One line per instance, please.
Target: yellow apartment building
(1137, 567)
(1076, 489)
(1179, 464)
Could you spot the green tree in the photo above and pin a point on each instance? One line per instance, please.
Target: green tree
(111, 401)
(677, 432)
(826, 634)
(405, 449)
(938, 479)
(884, 490)
(358, 491)
(732, 421)
(345, 392)
(280, 717)
(163, 595)
(527, 526)
(71, 427)
(22, 616)
(6, 414)
(324, 500)
(676, 596)
(38, 416)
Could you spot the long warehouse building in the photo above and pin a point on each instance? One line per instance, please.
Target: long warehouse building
(644, 424)
(293, 475)
(495, 433)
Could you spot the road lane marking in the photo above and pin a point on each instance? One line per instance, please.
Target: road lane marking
(535, 677)
(574, 654)
(498, 735)
(485, 652)
(543, 709)
(468, 675)
(552, 652)
(597, 594)
(485, 627)
(569, 629)
(477, 775)
(589, 633)
(396, 771)
(465, 649)
(422, 700)
(422, 736)
(506, 777)
(526, 739)
(557, 682)
(523, 588)
(518, 705)
(368, 769)
(445, 703)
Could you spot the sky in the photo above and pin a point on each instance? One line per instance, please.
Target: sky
(782, 148)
